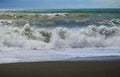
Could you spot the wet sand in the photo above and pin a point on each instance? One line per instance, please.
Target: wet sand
(61, 69)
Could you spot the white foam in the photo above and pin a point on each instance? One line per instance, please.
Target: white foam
(26, 44)
(11, 55)
(29, 38)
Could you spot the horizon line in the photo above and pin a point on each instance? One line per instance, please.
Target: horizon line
(51, 8)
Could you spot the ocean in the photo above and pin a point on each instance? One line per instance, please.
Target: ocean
(59, 35)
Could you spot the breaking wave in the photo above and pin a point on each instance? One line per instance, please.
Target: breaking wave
(41, 38)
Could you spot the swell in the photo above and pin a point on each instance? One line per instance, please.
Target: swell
(53, 19)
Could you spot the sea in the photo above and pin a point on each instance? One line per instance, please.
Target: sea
(30, 35)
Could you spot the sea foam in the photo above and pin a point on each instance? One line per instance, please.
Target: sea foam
(60, 37)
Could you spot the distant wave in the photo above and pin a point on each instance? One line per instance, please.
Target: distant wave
(53, 19)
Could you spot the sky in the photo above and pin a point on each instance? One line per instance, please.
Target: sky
(58, 4)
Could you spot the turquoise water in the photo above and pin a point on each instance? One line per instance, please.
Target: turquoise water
(60, 10)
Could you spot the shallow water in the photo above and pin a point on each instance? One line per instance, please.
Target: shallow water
(11, 55)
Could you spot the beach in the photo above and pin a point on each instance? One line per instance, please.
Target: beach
(61, 69)
(60, 43)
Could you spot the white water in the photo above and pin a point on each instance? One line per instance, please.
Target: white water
(87, 37)
(26, 44)
(11, 55)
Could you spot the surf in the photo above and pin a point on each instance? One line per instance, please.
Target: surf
(60, 37)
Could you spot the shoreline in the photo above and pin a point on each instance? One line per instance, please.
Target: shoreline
(61, 69)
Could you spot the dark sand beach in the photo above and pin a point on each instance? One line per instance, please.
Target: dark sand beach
(61, 69)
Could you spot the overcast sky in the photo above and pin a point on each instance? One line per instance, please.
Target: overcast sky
(47, 4)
